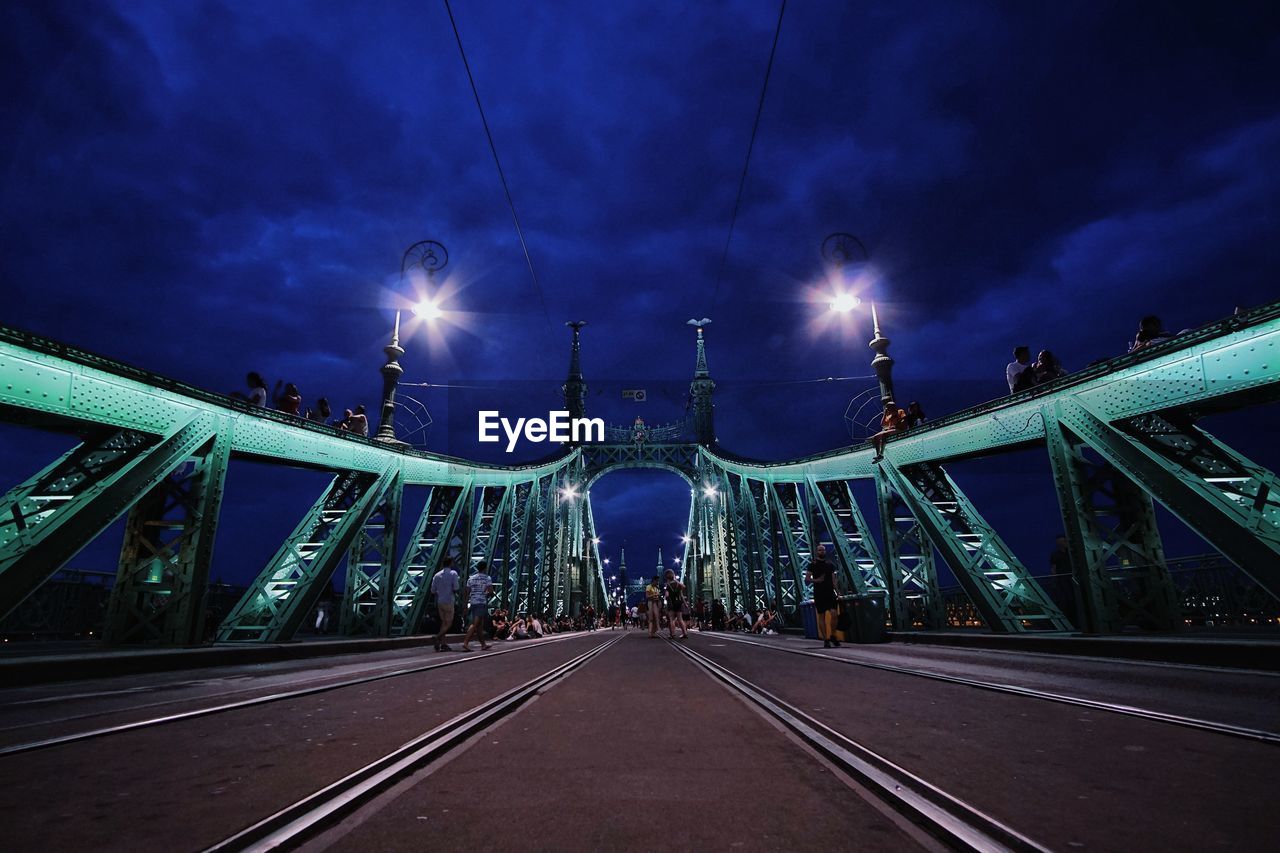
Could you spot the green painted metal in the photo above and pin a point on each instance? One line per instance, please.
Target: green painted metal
(793, 555)
(856, 552)
(286, 591)
(427, 547)
(1135, 413)
(159, 593)
(911, 574)
(47, 520)
(1229, 500)
(371, 568)
(519, 510)
(1117, 556)
(999, 585)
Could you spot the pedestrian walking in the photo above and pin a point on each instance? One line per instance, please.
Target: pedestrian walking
(822, 575)
(445, 587)
(479, 586)
(675, 606)
(653, 602)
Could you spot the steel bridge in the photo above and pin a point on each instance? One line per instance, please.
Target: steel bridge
(1120, 436)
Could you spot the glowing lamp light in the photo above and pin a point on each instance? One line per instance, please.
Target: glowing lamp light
(568, 493)
(710, 491)
(845, 302)
(685, 539)
(427, 310)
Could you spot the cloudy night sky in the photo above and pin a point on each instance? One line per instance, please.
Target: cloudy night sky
(203, 189)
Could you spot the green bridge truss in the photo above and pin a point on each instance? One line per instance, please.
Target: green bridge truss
(1119, 437)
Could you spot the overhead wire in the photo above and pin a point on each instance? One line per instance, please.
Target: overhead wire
(501, 174)
(755, 127)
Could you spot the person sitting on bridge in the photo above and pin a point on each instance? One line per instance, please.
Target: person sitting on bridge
(257, 395)
(357, 421)
(893, 421)
(915, 415)
(289, 400)
(718, 615)
(1016, 368)
(321, 413)
(1150, 333)
(768, 623)
(500, 625)
(519, 629)
(1047, 368)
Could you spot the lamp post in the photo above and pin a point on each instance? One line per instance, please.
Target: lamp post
(841, 249)
(430, 256)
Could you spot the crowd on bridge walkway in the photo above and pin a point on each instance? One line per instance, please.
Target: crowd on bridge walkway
(666, 605)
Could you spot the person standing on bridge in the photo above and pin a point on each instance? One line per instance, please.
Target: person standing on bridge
(675, 606)
(822, 575)
(479, 587)
(653, 603)
(445, 587)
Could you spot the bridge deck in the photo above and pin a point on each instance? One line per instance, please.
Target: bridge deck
(638, 747)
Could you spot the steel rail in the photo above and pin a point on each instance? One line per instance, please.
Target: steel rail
(941, 814)
(1032, 693)
(249, 703)
(303, 818)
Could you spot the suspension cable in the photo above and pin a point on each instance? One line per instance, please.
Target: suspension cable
(742, 181)
(501, 175)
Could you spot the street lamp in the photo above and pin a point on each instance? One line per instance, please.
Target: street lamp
(431, 257)
(841, 250)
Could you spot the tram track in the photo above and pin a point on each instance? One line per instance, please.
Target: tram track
(392, 671)
(302, 819)
(1152, 715)
(941, 814)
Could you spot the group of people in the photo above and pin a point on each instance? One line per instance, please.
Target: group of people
(666, 604)
(1022, 373)
(286, 398)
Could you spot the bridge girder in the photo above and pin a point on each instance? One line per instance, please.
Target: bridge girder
(1136, 415)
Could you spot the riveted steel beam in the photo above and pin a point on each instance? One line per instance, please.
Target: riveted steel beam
(45, 521)
(1002, 589)
(284, 593)
(371, 568)
(1117, 558)
(911, 575)
(856, 552)
(1231, 501)
(159, 593)
(427, 548)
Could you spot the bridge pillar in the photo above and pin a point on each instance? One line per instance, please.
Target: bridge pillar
(159, 593)
(910, 574)
(1231, 501)
(1002, 589)
(45, 521)
(423, 556)
(1117, 558)
(284, 593)
(371, 565)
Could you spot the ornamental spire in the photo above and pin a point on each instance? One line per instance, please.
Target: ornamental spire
(575, 387)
